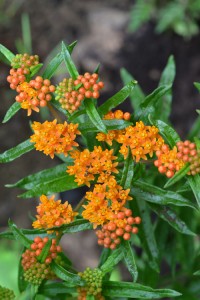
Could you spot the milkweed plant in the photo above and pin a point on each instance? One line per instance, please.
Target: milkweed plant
(142, 185)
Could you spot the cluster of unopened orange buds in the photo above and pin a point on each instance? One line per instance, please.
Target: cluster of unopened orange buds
(35, 271)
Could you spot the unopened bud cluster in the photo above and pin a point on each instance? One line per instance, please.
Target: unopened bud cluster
(117, 114)
(31, 94)
(188, 152)
(70, 93)
(120, 228)
(93, 279)
(6, 294)
(171, 161)
(25, 61)
(35, 271)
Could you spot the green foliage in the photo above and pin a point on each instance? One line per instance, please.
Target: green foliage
(180, 16)
(168, 232)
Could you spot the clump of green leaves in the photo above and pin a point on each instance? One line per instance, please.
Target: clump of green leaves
(179, 16)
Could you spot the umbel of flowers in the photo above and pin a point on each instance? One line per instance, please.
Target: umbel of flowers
(6, 294)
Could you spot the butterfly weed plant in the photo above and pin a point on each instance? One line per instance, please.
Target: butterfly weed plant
(142, 200)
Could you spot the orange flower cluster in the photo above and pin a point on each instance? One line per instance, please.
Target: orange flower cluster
(34, 271)
(168, 161)
(16, 77)
(25, 61)
(88, 164)
(103, 201)
(120, 227)
(53, 213)
(142, 140)
(70, 93)
(117, 114)
(52, 138)
(35, 93)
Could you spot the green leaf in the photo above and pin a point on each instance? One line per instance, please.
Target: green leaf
(77, 226)
(22, 284)
(52, 289)
(146, 233)
(153, 194)
(45, 251)
(150, 103)
(115, 257)
(18, 234)
(59, 184)
(94, 115)
(178, 176)
(7, 235)
(69, 62)
(65, 275)
(55, 62)
(197, 142)
(35, 69)
(130, 290)
(16, 152)
(129, 259)
(104, 256)
(197, 85)
(197, 273)
(117, 99)
(168, 133)
(195, 130)
(194, 182)
(44, 176)
(167, 77)
(137, 95)
(52, 66)
(171, 218)
(141, 12)
(11, 111)
(109, 125)
(7, 53)
(128, 172)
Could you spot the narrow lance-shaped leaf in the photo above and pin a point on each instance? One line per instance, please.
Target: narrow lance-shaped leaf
(168, 133)
(55, 62)
(149, 105)
(22, 284)
(7, 53)
(117, 99)
(69, 62)
(151, 193)
(128, 172)
(104, 256)
(35, 69)
(195, 130)
(51, 289)
(167, 77)
(130, 290)
(112, 261)
(137, 95)
(77, 226)
(146, 233)
(194, 182)
(109, 125)
(19, 235)
(94, 115)
(50, 174)
(59, 184)
(178, 176)
(15, 107)
(45, 251)
(16, 152)
(129, 259)
(171, 218)
(66, 275)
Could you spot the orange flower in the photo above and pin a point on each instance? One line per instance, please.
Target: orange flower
(142, 140)
(88, 164)
(53, 213)
(103, 201)
(52, 138)
(34, 94)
